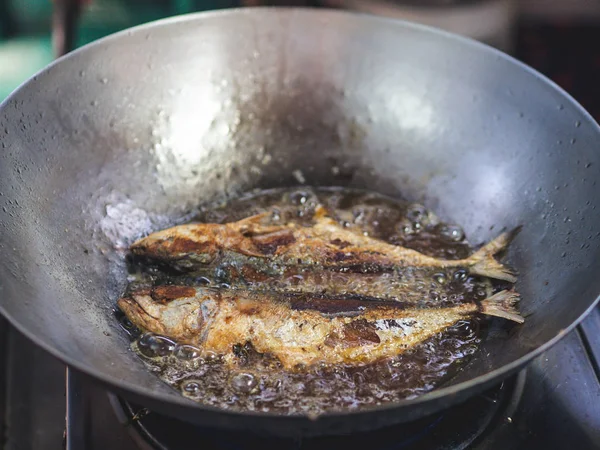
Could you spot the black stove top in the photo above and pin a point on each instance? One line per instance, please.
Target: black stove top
(554, 403)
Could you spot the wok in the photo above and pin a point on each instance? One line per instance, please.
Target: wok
(131, 133)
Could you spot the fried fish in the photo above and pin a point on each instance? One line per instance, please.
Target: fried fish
(264, 251)
(298, 329)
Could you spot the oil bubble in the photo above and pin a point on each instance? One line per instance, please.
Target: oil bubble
(460, 275)
(440, 278)
(407, 228)
(211, 357)
(186, 352)
(244, 382)
(299, 198)
(191, 387)
(452, 233)
(202, 281)
(151, 345)
(416, 213)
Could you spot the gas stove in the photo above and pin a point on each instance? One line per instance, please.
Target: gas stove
(553, 403)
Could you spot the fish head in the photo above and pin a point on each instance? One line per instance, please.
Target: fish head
(189, 246)
(181, 313)
(196, 243)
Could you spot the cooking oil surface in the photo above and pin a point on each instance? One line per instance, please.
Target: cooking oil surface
(258, 382)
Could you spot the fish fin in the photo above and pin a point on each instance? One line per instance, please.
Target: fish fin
(321, 212)
(503, 304)
(323, 216)
(484, 264)
(254, 224)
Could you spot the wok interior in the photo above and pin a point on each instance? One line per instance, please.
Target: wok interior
(131, 134)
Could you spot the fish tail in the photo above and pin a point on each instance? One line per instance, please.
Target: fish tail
(484, 264)
(503, 304)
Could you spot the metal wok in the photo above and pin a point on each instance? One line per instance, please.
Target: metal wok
(131, 133)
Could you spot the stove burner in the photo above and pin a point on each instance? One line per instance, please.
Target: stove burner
(455, 428)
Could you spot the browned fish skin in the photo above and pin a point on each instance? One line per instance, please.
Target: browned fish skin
(296, 329)
(271, 249)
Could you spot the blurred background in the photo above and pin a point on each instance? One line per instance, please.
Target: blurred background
(561, 38)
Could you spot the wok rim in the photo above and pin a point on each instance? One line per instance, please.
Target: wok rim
(436, 394)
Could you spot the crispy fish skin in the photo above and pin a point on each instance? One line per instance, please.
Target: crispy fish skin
(297, 330)
(271, 249)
